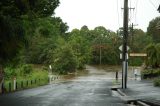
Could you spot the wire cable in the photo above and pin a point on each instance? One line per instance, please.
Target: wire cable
(136, 7)
(118, 14)
(152, 4)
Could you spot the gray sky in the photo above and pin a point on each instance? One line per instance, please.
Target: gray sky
(107, 13)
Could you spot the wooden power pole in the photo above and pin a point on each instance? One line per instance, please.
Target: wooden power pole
(124, 54)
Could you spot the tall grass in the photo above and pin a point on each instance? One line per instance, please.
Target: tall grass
(27, 76)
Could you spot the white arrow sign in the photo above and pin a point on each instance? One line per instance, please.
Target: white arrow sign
(121, 48)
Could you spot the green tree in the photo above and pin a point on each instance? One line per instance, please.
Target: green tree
(105, 46)
(12, 14)
(153, 54)
(80, 46)
(64, 60)
(153, 30)
(137, 42)
(42, 42)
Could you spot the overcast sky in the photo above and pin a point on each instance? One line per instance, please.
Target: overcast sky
(107, 13)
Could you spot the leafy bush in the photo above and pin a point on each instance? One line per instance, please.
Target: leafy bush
(81, 48)
(156, 82)
(21, 70)
(150, 73)
(65, 60)
(136, 61)
(9, 72)
(39, 74)
(25, 69)
(153, 55)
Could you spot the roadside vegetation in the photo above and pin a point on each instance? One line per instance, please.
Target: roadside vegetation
(152, 61)
(31, 34)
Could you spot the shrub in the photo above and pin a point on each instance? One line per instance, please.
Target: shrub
(21, 70)
(39, 74)
(26, 69)
(153, 55)
(9, 72)
(65, 60)
(156, 82)
(136, 61)
(150, 73)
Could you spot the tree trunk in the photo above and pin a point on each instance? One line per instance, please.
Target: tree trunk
(1, 78)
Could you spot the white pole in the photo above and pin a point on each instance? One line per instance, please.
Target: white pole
(14, 84)
(123, 72)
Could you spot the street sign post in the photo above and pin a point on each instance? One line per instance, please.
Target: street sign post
(124, 66)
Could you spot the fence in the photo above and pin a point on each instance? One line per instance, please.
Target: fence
(15, 85)
(11, 86)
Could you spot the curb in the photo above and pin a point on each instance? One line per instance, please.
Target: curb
(121, 93)
(131, 100)
(151, 103)
(139, 103)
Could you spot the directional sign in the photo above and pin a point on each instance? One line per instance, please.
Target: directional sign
(138, 54)
(121, 48)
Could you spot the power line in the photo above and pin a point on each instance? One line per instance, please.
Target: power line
(130, 15)
(152, 4)
(118, 14)
(130, 9)
(121, 9)
(136, 11)
(131, 12)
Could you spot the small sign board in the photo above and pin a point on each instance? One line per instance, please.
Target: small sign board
(122, 57)
(138, 54)
(121, 48)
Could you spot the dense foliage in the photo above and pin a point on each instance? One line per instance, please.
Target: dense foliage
(156, 82)
(31, 34)
(153, 29)
(138, 40)
(150, 73)
(153, 55)
(12, 30)
(153, 52)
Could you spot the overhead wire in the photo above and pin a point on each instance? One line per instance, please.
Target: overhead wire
(136, 8)
(118, 14)
(152, 4)
(121, 9)
(130, 12)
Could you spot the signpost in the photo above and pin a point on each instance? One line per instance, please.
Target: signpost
(158, 9)
(124, 66)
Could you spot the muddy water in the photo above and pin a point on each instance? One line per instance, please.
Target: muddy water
(93, 70)
(108, 68)
(100, 72)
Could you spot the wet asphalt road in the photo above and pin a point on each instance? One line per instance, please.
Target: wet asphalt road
(90, 90)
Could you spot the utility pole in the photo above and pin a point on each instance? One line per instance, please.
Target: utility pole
(124, 55)
(132, 32)
(158, 9)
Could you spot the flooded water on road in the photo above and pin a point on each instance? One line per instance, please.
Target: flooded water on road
(104, 72)
(91, 86)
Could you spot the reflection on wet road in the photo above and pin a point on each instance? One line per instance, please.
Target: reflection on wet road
(92, 89)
